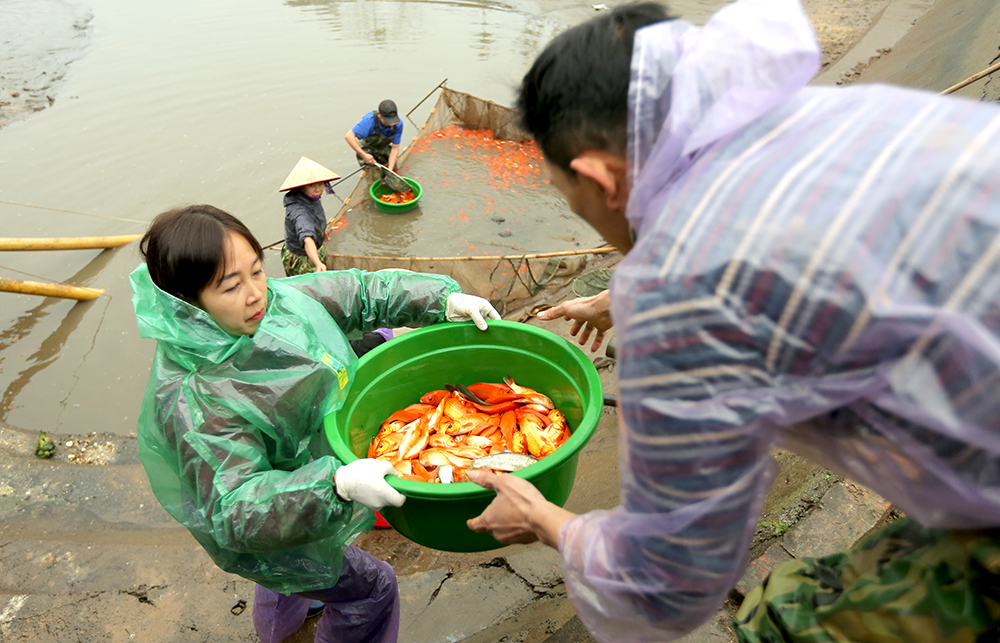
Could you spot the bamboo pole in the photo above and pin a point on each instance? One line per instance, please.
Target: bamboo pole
(67, 243)
(48, 290)
(440, 85)
(972, 79)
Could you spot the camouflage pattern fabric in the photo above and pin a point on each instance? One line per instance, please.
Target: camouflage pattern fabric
(378, 145)
(905, 584)
(299, 264)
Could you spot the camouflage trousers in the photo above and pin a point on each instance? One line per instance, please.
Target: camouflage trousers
(903, 584)
(299, 264)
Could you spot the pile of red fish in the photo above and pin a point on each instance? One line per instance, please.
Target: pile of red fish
(439, 438)
(398, 197)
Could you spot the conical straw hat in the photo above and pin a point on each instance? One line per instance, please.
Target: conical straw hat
(307, 171)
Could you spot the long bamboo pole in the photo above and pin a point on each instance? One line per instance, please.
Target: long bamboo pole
(440, 85)
(48, 290)
(972, 79)
(67, 243)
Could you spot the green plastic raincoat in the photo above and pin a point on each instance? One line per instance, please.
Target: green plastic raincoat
(231, 428)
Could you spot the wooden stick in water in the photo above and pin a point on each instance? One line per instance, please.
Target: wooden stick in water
(67, 243)
(48, 290)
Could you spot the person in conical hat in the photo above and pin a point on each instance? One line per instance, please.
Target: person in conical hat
(306, 234)
(305, 219)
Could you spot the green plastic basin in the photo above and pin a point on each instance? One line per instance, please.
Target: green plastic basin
(377, 189)
(398, 372)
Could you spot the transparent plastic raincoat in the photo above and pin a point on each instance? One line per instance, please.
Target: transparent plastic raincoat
(230, 430)
(815, 268)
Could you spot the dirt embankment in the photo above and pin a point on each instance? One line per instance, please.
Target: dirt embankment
(953, 41)
(840, 25)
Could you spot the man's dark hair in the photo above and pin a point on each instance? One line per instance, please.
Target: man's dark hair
(185, 248)
(575, 96)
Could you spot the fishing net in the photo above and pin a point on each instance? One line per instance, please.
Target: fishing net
(509, 282)
(393, 181)
(494, 176)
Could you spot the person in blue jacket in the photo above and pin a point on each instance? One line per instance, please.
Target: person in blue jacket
(231, 424)
(377, 135)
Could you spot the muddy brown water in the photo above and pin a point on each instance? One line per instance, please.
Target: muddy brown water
(146, 106)
(479, 196)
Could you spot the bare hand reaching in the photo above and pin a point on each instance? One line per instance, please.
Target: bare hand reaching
(520, 513)
(588, 314)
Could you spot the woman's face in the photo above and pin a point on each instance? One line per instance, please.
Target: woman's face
(237, 298)
(313, 190)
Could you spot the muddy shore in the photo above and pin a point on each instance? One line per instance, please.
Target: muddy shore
(89, 556)
(38, 44)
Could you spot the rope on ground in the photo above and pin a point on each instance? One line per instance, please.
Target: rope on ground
(972, 79)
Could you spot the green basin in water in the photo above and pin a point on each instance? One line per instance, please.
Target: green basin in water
(376, 189)
(398, 372)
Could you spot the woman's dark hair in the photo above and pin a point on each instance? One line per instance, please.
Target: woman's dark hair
(186, 247)
(575, 96)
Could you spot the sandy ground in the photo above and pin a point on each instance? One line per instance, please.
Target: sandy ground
(951, 42)
(88, 556)
(839, 25)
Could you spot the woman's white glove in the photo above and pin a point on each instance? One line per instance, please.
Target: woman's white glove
(463, 307)
(364, 481)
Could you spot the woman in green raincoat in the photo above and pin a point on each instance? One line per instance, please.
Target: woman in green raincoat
(230, 429)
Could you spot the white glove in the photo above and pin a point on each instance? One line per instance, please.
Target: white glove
(463, 307)
(364, 481)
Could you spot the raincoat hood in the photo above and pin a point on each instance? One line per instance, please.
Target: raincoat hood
(693, 86)
(186, 333)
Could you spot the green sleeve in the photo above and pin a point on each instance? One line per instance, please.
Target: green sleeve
(360, 301)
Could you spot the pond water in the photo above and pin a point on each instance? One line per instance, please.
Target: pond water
(186, 101)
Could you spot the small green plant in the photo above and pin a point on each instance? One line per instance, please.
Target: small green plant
(44, 447)
(779, 527)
